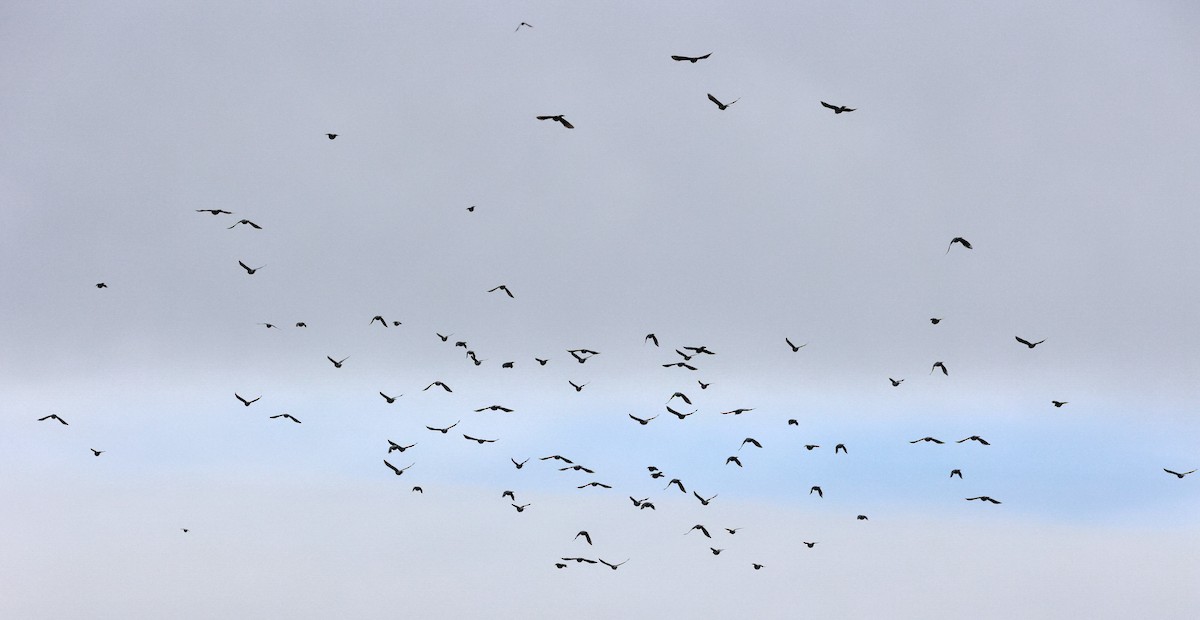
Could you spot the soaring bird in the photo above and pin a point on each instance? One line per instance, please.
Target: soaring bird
(582, 355)
(509, 495)
(502, 287)
(214, 211)
(738, 411)
(443, 338)
(378, 317)
(721, 106)
(244, 401)
(439, 384)
(527, 25)
(249, 270)
(101, 285)
(522, 508)
(336, 363)
(735, 460)
(54, 416)
(651, 338)
(578, 388)
(703, 385)
(645, 504)
(818, 490)
(331, 135)
(612, 566)
(418, 490)
(974, 438)
(585, 535)
(390, 399)
(956, 472)
(269, 325)
(559, 565)
(811, 446)
(637, 502)
(1058, 403)
(286, 416)
(594, 484)
(641, 421)
(984, 498)
(394, 469)
(540, 361)
(479, 441)
(703, 530)
(896, 382)
(471, 209)
(715, 551)
(576, 468)
(248, 223)
(964, 242)
(679, 365)
(579, 560)
(507, 364)
(1029, 344)
(794, 347)
(935, 321)
(681, 396)
(837, 109)
(1173, 473)
(395, 447)
(301, 324)
(678, 483)
(96, 452)
(556, 457)
(703, 501)
(927, 439)
(793, 422)
(810, 545)
(750, 440)
(691, 59)
(842, 447)
(516, 464)
(494, 408)
(756, 566)
(558, 118)
(678, 414)
(937, 365)
(732, 530)
(862, 518)
(443, 430)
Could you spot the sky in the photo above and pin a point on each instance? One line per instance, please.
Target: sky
(1059, 140)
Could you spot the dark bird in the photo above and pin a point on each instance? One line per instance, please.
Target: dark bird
(54, 416)
(494, 408)
(461, 343)
(984, 498)
(810, 545)
(651, 338)
(479, 441)
(502, 287)
(443, 430)
(679, 365)
(652, 468)
(516, 464)
(556, 458)
(793, 422)
(522, 508)
(676, 482)
(579, 560)
(248, 269)
(439, 384)
(965, 244)
(576, 468)
(678, 414)
(506, 365)
(286, 416)
(390, 399)
(559, 565)
(523, 24)
(896, 382)
(637, 502)
(558, 118)
(820, 493)
(418, 490)
(935, 321)
(585, 535)
(612, 566)
(927, 439)
(644, 505)
(214, 211)
(735, 460)
(96, 452)
(756, 566)
(681, 396)
(837, 109)
(379, 318)
(101, 285)
(301, 324)
(750, 440)
(794, 347)
(1173, 473)
(509, 495)
(641, 421)
(578, 388)
(471, 209)
(336, 363)
(862, 517)
(1058, 403)
(703, 385)
(244, 401)
(248, 223)
(185, 530)
(732, 530)
(394, 469)
(443, 338)
(703, 501)
(331, 135)
(703, 530)
(738, 411)
(395, 447)
(656, 475)
(582, 355)
(974, 438)
(715, 551)
(540, 361)
(956, 472)
(685, 356)
(1029, 344)
(721, 106)
(937, 365)
(691, 59)
(811, 446)
(269, 325)
(593, 484)
(842, 447)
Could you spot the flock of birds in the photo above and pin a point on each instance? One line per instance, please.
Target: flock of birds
(689, 358)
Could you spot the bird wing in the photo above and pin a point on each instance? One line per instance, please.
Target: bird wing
(391, 467)
(1023, 341)
(831, 107)
(568, 126)
(714, 100)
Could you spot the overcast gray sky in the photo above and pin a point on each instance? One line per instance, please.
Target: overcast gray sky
(1059, 140)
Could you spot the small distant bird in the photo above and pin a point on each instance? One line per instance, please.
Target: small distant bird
(685, 356)
(494, 408)
(794, 347)
(331, 135)
(96, 452)
(896, 382)
(842, 447)
(735, 460)
(681, 396)
(248, 269)
(556, 458)
(585, 535)
(286, 416)
(248, 223)
(703, 501)
(937, 365)
(651, 338)
(793, 422)
(960, 240)
(390, 399)
(576, 468)
(439, 384)
(956, 472)
(443, 338)
(927, 439)
(703, 385)
(269, 325)
(750, 440)
(522, 508)
(594, 484)
(394, 469)
(395, 447)
(479, 441)
(506, 365)
(1058, 403)
(509, 495)
(678, 414)
(732, 530)
(336, 363)
(540, 361)
(558, 118)
(501, 288)
(612, 566)
(214, 211)
(721, 106)
(756, 566)
(680, 365)
(579, 560)
(703, 530)
(641, 421)
(559, 565)
(461, 343)
(54, 416)
(738, 411)
(818, 490)
(516, 464)
(1173, 473)
(527, 25)
(935, 321)
(471, 209)
(715, 551)
(443, 430)
(637, 502)
(418, 490)
(185, 530)
(984, 498)
(244, 401)
(1029, 344)
(862, 517)
(645, 504)
(811, 446)
(678, 483)
(691, 59)
(578, 388)
(301, 324)
(974, 438)
(101, 285)
(837, 109)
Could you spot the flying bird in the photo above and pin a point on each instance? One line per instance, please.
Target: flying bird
(585, 535)
(937, 365)
(54, 416)
(935, 321)
(244, 401)
(1029, 344)
(556, 458)
(793, 422)
(576, 468)
(593, 484)
(516, 464)
(735, 460)
(732, 530)
(678, 414)
(443, 430)
(960, 240)
(703, 501)
(810, 545)
(248, 269)
(336, 363)
(612, 566)
(756, 566)
(502, 287)
(301, 324)
(578, 388)
(269, 325)
(651, 338)
(443, 338)
(214, 211)
(507, 365)
(248, 223)
(1058, 403)
(479, 441)
(96, 452)
(510, 495)
(101, 285)
(379, 318)
(703, 385)
(956, 472)
(818, 490)
(540, 361)
(681, 396)
(679, 365)
(750, 440)
(691, 59)
(527, 25)
(390, 399)
(558, 118)
(837, 109)
(641, 421)
(418, 490)
(522, 508)
(862, 518)
(331, 135)
(494, 408)
(715, 551)
(974, 438)
(896, 382)
(811, 446)
(395, 447)
(794, 347)
(703, 530)
(676, 482)
(738, 411)
(286, 416)
(721, 106)
(842, 447)
(984, 498)
(439, 384)
(394, 469)
(1173, 473)
(579, 560)
(927, 439)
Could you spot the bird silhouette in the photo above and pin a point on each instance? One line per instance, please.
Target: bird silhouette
(750, 440)
(576, 468)
(248, 223)
(641, 421)
(678, 414)
(516, 464)
(443, 338)
(842, 447)
(811, 446)
(735, 460)
(443, 430)
(703, 501)
(478, 440)
(395, 447)
(558, 118)
(269, 325)
(556, 457)
(96, 452)
(509, 495)
(612, 566)
(959, 240)
(732, 530)
(818, 490)
(185, 530)
(927, 439)
(984, 498)
(214, 211)
(394, 469)
(523, 24)
(862, 518)
(331, 135)
(703, 385)
(471, 209)
(738, 411)
(502, 287)
(336, 363)
(249, 269)
(244, 401)
(1173, 473)
(794, 347)
(756, 566)
(810, 545)
(937, 365)
(1058, 403)
(522, 508)
(379, 318)
(679, 365)
(651, 338)
(935, 321)
(559, 565)
(418, 490)
(54, 416)
(594, 484)
(974, 438)
(721, 106)
(494, 408)
(579, 560)
(585, 535)
(390, 399)
(1027, 343)
(678, 483)
(703, 530)
(715, 551)
(837, 109)
(506, 365)
(286, 416)
(578, 388)
(681, 396)
(540, 361)
(691, 59)
(439, 384)
(793, 422)
(301, 324)
(956, 472)
(896, 382)
(637, 502)
(101, 285)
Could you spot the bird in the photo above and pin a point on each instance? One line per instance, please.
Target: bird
(556, 457)
(576, 468)
(507, 365)
(479, 441)
(331, 135)
(390, 399)
(269, 325)
(471, 209)
(301, 324)
(612, 566)
(96, 452)
(336, 363)
(1058, 403)
(248, 269)
(214, 211)
(101, 285)
(820, 493)
(896, 382)
(522, 508)
(516, 464)
(735, 460)
(394, 469)
(644, 505)
(837, 109)
(681, 396)
(510, 495)
(559, 565)
(558, 118)
(703, 385)
(641, 421)
(842, 447)
(974, 438)
(379, 318)
(750, 440)
(244, 401)
(738, 411)
(703, 530)
(540, 361)
(732, 530)
(461, 343)
(637, 502)
(937, 365)
(811, 446)
(582, 355)
(443, 338)
(579, 560)
(721, 106)
(443, 430)
(679, 365)
(984, 498)
(651, 338)
(927, 439)
(810, 545)
(862, 518)
(54, 416)
(185, 530)
(715, 551)
(585, 535)
(439, 384)
(678, 414)
(959, 240)
(703, 501)
(494, 408)
(286, 416)
(1173, 473)
(248, 223)
(594, 484)
(794, 347)
(578, 388)
(678, 483)
(395, 447)
(1029, 344)
(527, 25)
(793, 422)
(502, 287)
(935, 321)
(418, 490)
(956, 472)
(691, 59)
(756, 566)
